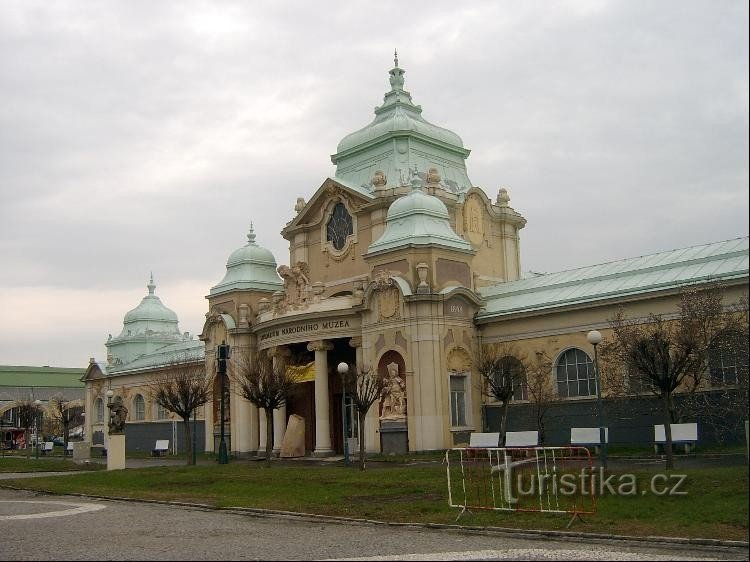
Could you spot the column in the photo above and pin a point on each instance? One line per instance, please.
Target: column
(279, 428)
(262, 428)
(322, 409)
(279, 354)
(356, 343)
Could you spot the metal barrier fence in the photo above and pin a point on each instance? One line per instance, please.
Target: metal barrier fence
(533, 479)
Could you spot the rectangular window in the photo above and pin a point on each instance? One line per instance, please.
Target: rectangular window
(458, 400)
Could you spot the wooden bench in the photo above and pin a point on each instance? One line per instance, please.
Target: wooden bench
(47, 447)
(521, 438)
(484, 440)
(162, 446)
(685, 434)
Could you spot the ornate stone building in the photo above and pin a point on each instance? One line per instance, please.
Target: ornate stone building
(399, 263)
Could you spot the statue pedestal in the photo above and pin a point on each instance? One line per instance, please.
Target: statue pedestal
(394, 437)
(116, 452)
(81, 450)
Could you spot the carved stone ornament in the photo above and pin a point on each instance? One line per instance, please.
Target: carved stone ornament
(296, 284)
(264, 305)
(299, 205)
(382, 280)
(503, 197)
(422, 271)
(474, 220)
(244, 312)
(379, 179)
(394, 395)
(118, 413)
(388, 301)
(433, 176)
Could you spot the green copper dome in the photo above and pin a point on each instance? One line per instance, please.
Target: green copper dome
(151, 314)
(250, 267)
(399, 139)
(418, 219)
(149, 326)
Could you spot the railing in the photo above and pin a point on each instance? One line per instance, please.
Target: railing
(528, 479)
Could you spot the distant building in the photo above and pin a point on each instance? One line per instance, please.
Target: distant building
(23, 383)
(400, 263)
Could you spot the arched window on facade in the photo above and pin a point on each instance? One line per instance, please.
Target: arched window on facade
(727, 359)
(161, 412)
(99, 409)
(139, 408)
(575, 374)
(514, 371)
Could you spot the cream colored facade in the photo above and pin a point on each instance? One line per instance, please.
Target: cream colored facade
(410, 272)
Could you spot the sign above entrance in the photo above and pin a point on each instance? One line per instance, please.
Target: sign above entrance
(317, 328)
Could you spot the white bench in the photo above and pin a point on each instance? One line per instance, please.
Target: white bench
(69, 448)
(685, 434)
(588, 436)
(162, 446)
(484, 440)
(48, 447)
(521, 438)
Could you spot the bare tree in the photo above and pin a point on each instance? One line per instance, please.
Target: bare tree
(182, 390)
(65, 414)
(504, 378)
(540, 387)
(672, 353)
(266, 384)
(368, 385)
(27, 412)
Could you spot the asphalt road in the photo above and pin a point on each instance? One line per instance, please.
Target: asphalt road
(44, 527)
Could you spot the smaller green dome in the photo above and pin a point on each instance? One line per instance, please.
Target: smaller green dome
(152, 310)
(418, 219)
(250, 267)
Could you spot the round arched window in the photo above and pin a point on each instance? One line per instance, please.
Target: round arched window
(339, 227)
(575, 374)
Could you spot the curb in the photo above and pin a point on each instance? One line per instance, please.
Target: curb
(655, 541)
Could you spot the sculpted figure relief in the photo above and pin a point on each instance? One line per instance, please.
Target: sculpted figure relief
(118, 413)
(296, 283)
(394, 396)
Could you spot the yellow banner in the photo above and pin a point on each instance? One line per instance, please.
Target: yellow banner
(302, 373)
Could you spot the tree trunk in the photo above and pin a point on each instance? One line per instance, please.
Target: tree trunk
(27, 439)
(361, 440)
(503, 421)
(188, 440)
(269, 436)
(667, 431)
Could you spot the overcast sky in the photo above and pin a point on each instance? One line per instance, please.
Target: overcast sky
(145, 136)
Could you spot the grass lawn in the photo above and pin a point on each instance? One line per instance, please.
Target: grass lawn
(43, 464)
(716, 504)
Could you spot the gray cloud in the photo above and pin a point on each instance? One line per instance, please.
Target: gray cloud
(138, 136)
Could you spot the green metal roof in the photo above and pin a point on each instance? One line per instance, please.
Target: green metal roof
(60, 377)
(183, 352)
(720, 261)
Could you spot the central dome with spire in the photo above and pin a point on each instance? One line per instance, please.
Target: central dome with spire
(398, 140)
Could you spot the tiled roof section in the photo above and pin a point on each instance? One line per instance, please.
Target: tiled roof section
(57, 377)
(720, 261)
(190, 350)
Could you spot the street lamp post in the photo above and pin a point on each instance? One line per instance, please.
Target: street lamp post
(343, 369)
(37, 403)
(110, 393)
(222, 354)
(594, 337)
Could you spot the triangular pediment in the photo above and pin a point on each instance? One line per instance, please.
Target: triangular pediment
(312, 212)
